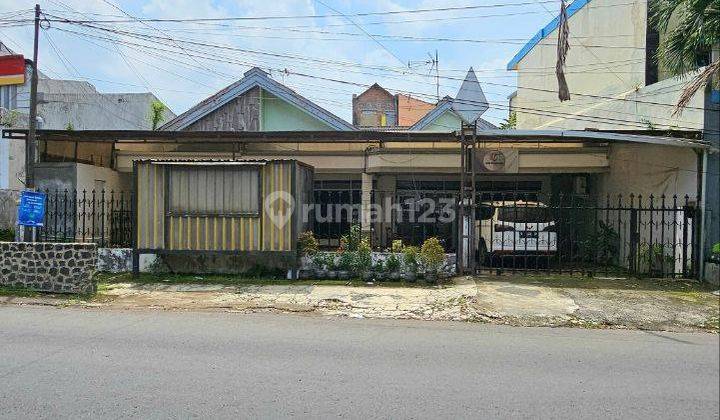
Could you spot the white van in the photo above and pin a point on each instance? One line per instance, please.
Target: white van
(517, 228)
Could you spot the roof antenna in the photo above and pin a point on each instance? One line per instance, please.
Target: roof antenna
(433, 63)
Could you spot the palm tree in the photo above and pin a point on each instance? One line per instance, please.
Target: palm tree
(695, 30)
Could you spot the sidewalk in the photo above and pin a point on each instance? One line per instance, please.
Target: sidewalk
(513, 300)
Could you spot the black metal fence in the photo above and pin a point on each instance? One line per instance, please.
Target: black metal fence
(514, 231)
(103, 217)
(564, 233)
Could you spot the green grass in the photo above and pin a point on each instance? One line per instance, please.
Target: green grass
(28, 293)
(16, 292)
(106, 280)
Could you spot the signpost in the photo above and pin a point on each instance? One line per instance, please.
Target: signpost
(31, 210)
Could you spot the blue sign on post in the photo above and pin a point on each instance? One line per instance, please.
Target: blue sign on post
(31, 211)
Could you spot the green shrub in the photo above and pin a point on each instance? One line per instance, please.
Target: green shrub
(411, 256)
(324, 261)
(351, 241)
(432, 254)
(307, 244)
(346, 260)
(363, 260)
(716, 248)
(397, 246)
(7, 235)
(379, 266)
(392, 264)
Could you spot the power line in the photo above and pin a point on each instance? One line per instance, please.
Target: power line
(632, 123)
(324, 61)
(285, 17)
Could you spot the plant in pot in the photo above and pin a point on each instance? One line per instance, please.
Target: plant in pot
(378, 270)
(363, 259)
(432, 256)
(320, 263)
(346, 262)
(307, 247)
(411, 256)
(392, 266)
(397, 246)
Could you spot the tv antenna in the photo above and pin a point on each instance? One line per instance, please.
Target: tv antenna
(432, 63)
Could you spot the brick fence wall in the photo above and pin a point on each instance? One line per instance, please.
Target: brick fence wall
(49, 267)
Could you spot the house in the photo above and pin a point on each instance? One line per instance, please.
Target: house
(377, 108)
(257, 117)
(67, 104)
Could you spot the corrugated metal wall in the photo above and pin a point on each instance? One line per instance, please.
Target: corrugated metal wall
(150, 206)
(211, 208)
(278, 179)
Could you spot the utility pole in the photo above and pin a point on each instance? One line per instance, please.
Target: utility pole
(30, 143)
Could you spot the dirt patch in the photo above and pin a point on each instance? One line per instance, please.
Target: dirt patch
(522, 301)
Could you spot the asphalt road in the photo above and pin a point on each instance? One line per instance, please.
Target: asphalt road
(153, 364)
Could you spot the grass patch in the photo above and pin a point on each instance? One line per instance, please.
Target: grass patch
(17, 292)
(28, 293)
(107, 280)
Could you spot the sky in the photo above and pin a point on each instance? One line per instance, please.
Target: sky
(326, 59)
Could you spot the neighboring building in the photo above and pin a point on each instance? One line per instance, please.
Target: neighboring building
(614, 79)
(65, 104)
(376, 108)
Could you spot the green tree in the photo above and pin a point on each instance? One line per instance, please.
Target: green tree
(157, 113)
(691, 28)
(510, 123)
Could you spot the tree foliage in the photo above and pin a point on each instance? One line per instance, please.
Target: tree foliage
(157, 113)
(690, 29)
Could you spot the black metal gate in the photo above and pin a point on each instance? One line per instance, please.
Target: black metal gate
(531, 231)
(574, 234)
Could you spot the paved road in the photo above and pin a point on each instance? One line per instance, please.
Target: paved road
(86, 363)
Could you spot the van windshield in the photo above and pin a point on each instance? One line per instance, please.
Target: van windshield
(522, 214)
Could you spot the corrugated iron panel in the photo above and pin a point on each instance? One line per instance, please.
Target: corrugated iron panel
(213, 233)
(277, 230)
(151, 206)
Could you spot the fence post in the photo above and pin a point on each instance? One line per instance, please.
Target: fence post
(634, 236)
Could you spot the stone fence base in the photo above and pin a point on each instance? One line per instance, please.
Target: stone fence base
(49, 267)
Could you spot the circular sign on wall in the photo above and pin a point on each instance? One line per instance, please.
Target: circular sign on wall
(493, 161)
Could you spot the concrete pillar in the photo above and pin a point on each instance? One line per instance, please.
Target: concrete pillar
(386, 185)
(366, 203)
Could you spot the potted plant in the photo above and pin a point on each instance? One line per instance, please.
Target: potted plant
(307, 249)
(392, 266)
(346, 261)
(410, 262)
(432, 256)
(363, 258)
(397, 246)
(320, 262)
(378, 270)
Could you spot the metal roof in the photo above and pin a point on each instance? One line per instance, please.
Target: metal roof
(255, 77)
(544, 32)
(443, 106)
(364, 136)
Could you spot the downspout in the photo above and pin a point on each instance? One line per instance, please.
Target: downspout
(702, 179)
